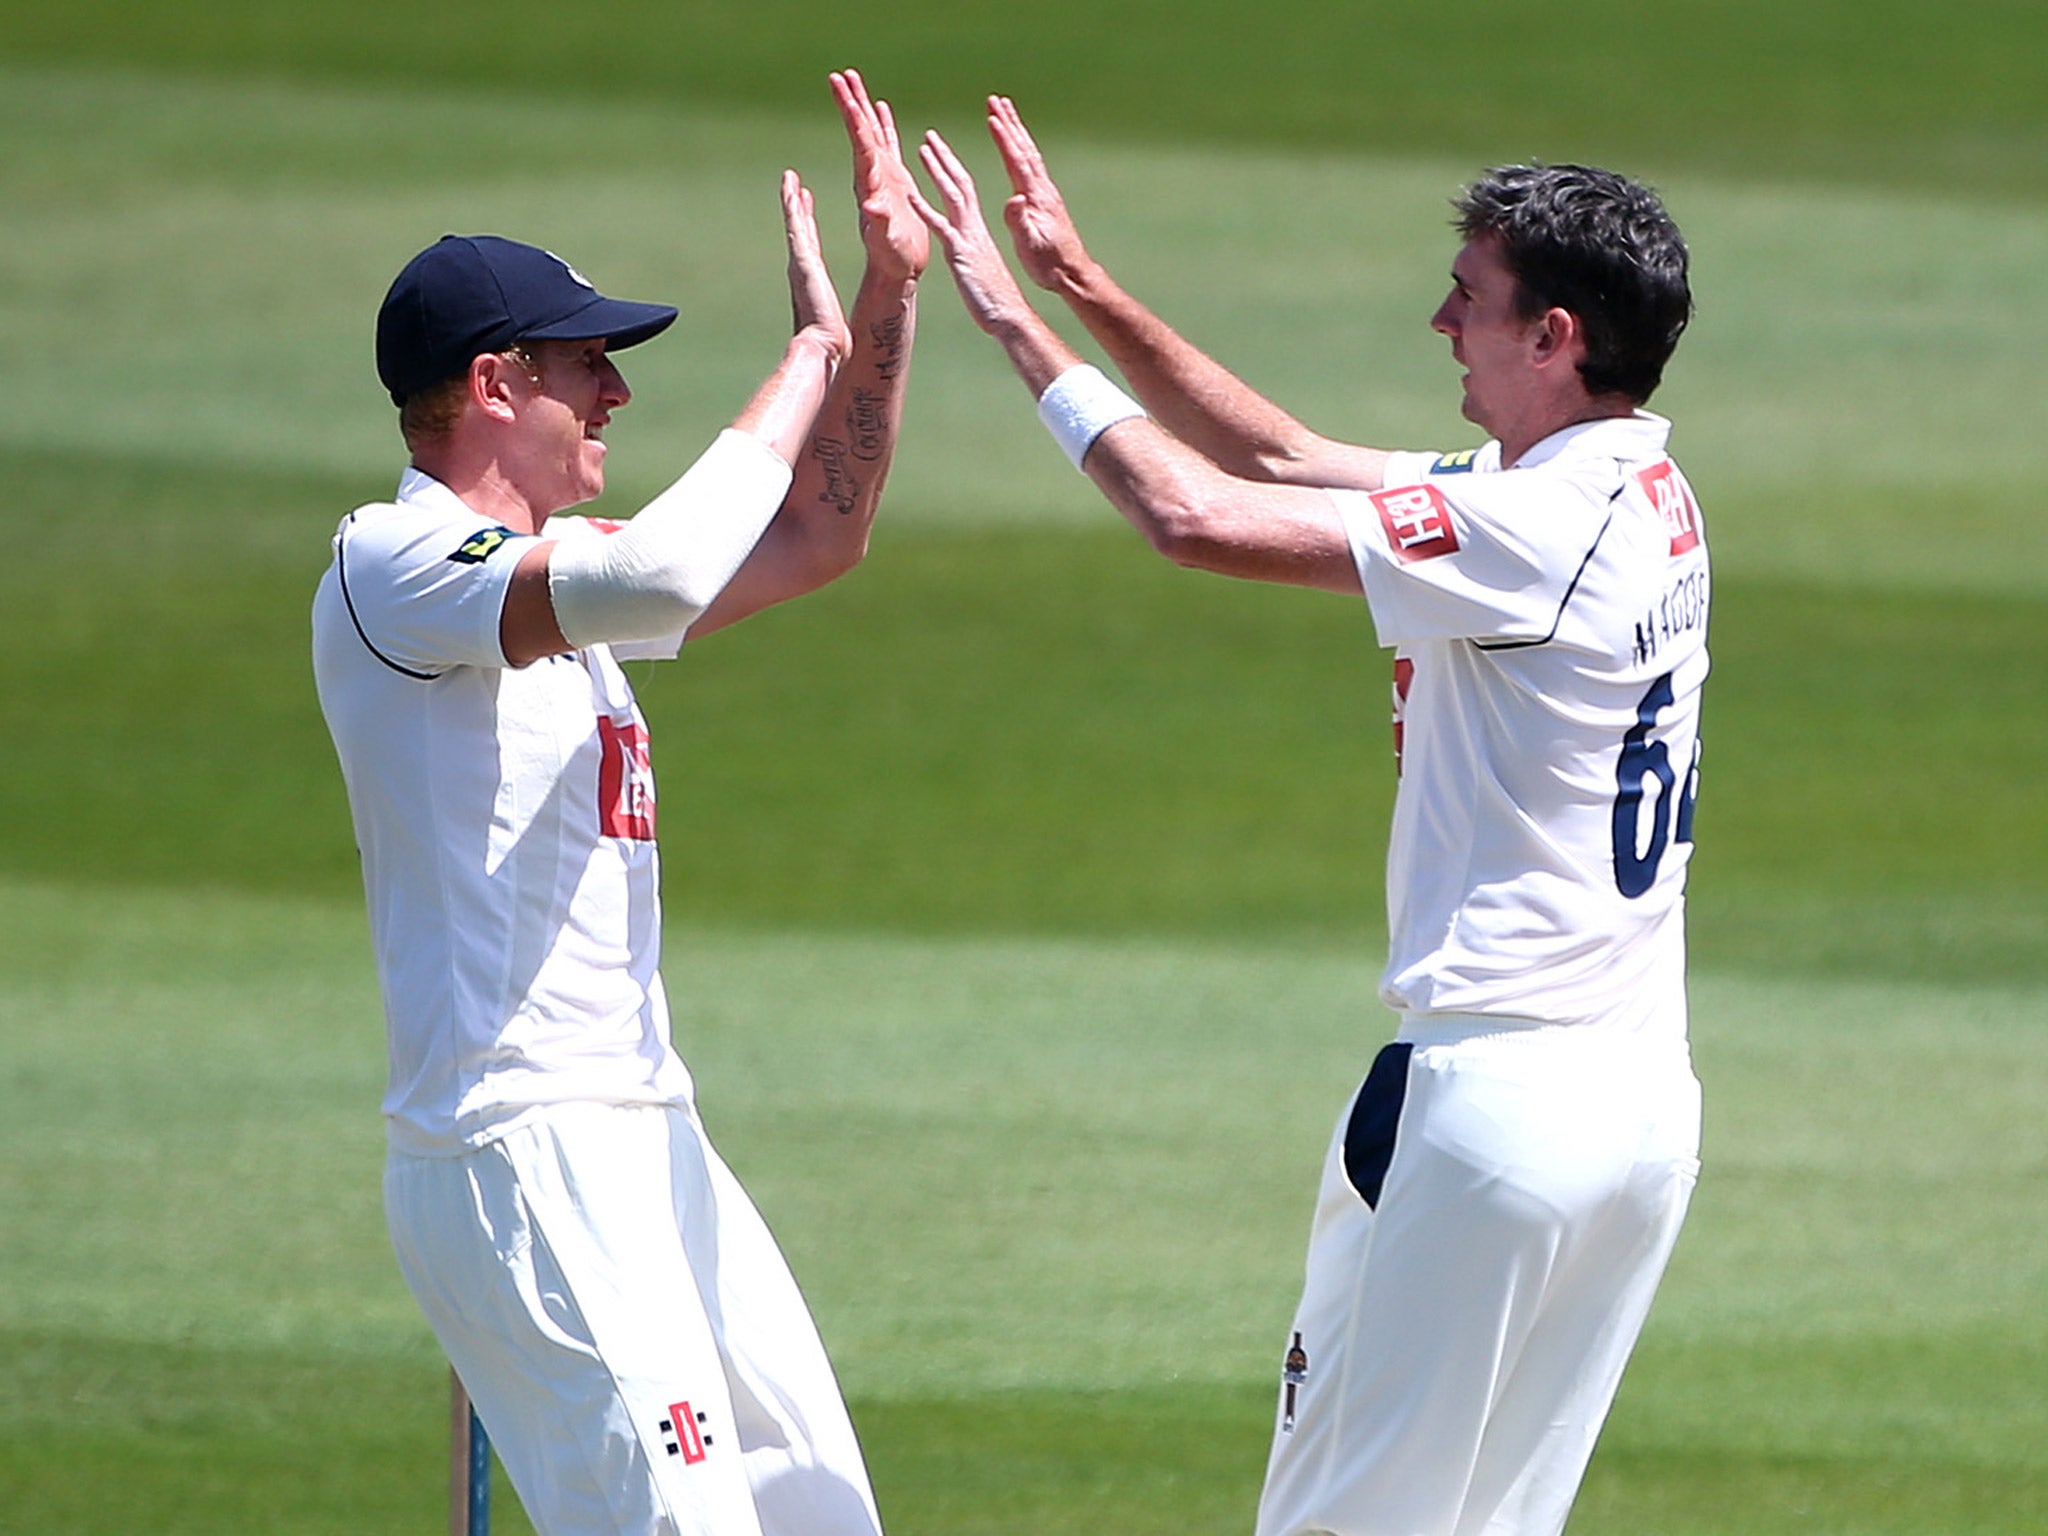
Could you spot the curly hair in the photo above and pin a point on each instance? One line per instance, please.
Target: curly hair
(1596, 244)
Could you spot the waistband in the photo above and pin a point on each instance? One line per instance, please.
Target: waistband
(1427, 1029)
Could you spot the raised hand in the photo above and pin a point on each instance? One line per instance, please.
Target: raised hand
(897, 243)
(1043, 231)
(813, 302)
(985, 282)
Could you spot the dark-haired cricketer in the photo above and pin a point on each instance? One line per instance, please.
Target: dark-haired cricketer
(622, 1319)
(1506, 1183)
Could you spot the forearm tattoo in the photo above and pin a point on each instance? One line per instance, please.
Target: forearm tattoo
(868, 422)
(887, 335)
(842, 488)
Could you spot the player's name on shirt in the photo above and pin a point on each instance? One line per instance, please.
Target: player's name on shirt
(1682, 609)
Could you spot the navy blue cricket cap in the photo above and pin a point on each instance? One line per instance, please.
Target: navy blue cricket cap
(469, 294)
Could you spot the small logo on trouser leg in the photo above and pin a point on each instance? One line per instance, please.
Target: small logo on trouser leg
(682, 1434)
(1293, 1377)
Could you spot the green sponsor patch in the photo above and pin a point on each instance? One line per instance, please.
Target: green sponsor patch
(479, 547)
(1454, 463)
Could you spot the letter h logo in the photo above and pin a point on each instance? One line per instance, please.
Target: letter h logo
(1417, 522)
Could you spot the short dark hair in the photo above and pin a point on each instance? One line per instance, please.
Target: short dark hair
(1599, 245)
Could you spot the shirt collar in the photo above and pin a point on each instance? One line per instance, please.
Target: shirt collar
(1639, 435)
(417, 487)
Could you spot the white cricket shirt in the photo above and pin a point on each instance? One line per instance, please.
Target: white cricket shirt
(1549, 625)
(505, 818)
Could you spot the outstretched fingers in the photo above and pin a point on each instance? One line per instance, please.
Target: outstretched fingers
(800, 221)
(1048, 245)
(814, 304)
(857, 110)
(888, 121)
(882, 184)
(951, 177)
(986, 286)
(1021, 157)
(868, 119)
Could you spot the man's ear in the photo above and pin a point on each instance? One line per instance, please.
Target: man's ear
(1559, 338)
(496, 384)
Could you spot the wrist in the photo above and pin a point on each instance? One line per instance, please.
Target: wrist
(832, 344)
(1079, 406)
(887, 284)
(890, 270)
(883, 298)
(1078, 281)
(1033, 346)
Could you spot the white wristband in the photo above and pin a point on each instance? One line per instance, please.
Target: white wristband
(1079, 406)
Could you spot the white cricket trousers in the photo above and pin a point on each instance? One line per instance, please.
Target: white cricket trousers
(1496, 1210)
(628, 1331)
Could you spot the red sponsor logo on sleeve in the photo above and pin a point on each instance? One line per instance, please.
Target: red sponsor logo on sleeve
(1417, 522)
(625, 781)
(1672, 498)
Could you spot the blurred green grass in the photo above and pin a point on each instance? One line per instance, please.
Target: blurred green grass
(201, 257)
(1046, 1197)
(1887, 92)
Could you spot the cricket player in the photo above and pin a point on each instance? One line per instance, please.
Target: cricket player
(622, 1320)
(1503, 1190)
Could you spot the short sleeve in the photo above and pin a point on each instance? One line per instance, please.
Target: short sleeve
(1473, 556)
(427, 592)
(667, 648)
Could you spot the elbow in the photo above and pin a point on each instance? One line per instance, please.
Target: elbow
(1298, 456)
(819, 559)
(1182, 512)
(1276, 466)
(1294, 459)
(1184, 529)
(828, 565)
(1175, 544)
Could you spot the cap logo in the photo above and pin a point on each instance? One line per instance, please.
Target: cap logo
(578, 276)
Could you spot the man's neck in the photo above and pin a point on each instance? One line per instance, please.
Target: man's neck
(1513, 445)
(483, 486)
